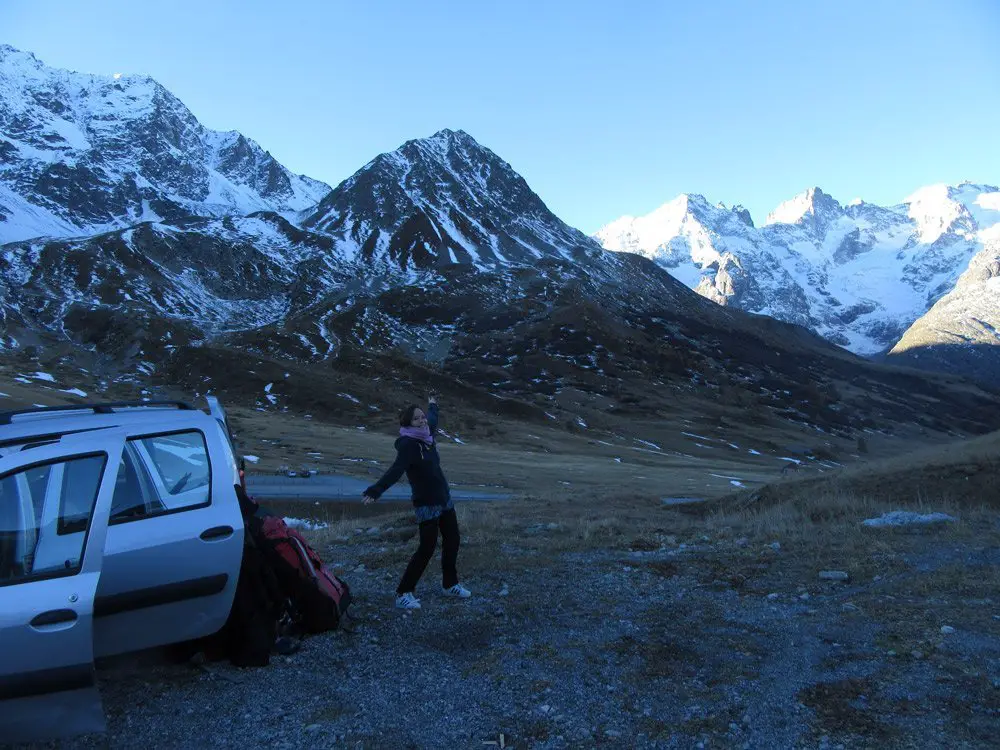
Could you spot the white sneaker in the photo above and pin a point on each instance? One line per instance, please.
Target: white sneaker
(407, 601)
(458, 590)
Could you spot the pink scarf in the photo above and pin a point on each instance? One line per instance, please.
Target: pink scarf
(418, 433)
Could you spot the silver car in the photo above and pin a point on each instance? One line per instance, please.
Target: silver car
(120, 530)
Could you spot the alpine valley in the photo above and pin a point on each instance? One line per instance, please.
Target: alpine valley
(140, 247)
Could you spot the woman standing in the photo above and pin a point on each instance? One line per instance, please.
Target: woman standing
(417, 457)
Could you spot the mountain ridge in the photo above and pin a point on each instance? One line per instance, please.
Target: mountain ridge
(859, 274)
(149, 216)
(441, 200)
(84, 153)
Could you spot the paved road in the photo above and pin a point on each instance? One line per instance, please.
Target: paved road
(343, 488)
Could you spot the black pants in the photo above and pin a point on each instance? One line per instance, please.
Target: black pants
(447, 522)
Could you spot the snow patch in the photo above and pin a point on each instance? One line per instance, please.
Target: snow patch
(906, 518)
(989, 201)
(692, 435)
(300, 523)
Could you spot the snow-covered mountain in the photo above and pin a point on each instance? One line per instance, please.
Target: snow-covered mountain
(859, 275)
(81, 154)
(419, 245)
(444, 200)
(961, 332)
(127, 226)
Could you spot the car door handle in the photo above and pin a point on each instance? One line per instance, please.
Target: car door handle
(53, 617)
(217, 532)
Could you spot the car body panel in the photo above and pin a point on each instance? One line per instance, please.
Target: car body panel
(47, 685)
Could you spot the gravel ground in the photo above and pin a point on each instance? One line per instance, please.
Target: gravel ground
(705, 645)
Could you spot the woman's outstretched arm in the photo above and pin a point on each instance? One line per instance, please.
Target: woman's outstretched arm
(404, 457)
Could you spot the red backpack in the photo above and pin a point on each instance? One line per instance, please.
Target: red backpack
(319, 598)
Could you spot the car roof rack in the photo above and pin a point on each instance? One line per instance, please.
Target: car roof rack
(7, 417)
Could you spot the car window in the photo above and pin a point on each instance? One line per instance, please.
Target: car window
(135, 496)
(178, 467)
(38, 480)
(66, 490)
(75, 500)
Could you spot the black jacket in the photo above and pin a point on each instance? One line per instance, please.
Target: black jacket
(422, 466)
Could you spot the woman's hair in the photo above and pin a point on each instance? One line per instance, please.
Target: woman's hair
(406, 416)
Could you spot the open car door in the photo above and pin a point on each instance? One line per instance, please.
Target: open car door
(217, 411)
(47, 682)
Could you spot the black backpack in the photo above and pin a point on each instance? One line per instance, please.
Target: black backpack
(259, 605)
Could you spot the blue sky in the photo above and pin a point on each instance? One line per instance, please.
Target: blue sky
(605, 108)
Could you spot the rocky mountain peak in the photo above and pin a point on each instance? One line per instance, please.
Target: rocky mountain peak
(455, 152)
(743, 214)
(441, 201)
(10, 54)
(811, 206)
(451, 139)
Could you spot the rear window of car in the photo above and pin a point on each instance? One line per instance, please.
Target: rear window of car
(181, 461)
(162, 474)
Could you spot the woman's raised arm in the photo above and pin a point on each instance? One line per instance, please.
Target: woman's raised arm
(432, 414)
